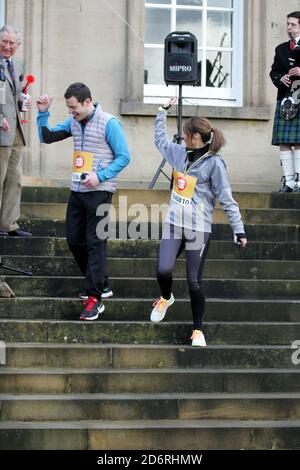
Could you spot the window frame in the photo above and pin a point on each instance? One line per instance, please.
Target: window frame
(2, 13)
(204, 95)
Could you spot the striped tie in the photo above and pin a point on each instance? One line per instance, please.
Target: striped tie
(10, 68)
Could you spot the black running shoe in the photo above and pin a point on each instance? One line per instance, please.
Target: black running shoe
(296, 189)
(107, 292)
(285, 189)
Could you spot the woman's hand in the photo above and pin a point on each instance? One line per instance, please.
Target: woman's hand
(243, 242)
(170, 102)
(240, 241)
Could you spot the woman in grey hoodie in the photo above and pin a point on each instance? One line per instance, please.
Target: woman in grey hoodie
(199, 178)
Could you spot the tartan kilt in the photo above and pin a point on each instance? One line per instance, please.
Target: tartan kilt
(285, 132)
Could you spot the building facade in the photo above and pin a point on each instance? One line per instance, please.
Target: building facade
(117, 48)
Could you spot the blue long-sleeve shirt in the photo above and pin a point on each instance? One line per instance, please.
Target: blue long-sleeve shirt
(114, 136)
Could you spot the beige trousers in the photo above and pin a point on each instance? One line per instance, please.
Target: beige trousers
(10, 184)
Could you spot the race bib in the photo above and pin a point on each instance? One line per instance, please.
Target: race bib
(183, 188)
(82, 163)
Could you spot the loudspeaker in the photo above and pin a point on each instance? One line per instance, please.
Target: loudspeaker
(180, 61)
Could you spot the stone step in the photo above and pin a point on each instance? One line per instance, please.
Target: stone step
(57, 228)
(139, 309)
(105, 332)
(43, 194)
(260, 216)
(43, 210)
(202, 380)
(51, 195)
(152, 434)
(144, 196)
(156, 214)
(146, 267)
(261, 232)
(284, 201)
(58, 286)
(54, 246)
(129, 407)
(24, 355)
(283, 233)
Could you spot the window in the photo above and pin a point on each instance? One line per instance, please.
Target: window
(218, 27)
(2, 13)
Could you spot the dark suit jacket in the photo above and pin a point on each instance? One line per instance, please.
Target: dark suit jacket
(281, 66)
(11, 109)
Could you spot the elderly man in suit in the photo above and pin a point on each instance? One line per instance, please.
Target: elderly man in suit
(12, 139)
(285, 75)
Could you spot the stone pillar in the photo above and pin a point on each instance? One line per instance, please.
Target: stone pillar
(255, 47)
(135, 50)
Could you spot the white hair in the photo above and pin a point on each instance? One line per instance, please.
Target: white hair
(11, 29)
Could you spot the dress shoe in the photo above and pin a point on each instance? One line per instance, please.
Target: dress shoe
(3, 233)
(285, 189)
(19, 233)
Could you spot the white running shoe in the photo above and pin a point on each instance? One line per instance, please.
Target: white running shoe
(198, 339)
(160, 308)
(107, 292)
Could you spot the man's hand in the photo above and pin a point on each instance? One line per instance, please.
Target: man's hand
(44, 103)
(91, 181)
(26, 102)
(294, 72)
(5, 125)
(286, 80)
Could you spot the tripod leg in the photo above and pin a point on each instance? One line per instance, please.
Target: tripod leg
(155, 177)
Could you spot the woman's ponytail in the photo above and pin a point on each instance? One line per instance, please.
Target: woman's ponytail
(210, 135)
(217, 140)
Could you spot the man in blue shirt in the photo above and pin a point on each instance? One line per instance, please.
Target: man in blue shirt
(100, 153)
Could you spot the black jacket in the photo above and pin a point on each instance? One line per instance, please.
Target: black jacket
(281, 66)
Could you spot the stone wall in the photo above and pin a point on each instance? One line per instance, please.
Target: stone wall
(86, 40)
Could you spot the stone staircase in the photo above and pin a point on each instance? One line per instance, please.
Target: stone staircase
(124, 383)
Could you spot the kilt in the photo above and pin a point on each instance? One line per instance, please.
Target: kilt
(285, 132)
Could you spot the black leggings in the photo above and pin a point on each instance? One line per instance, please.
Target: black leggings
(174, 241)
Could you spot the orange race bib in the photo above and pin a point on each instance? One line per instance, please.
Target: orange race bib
(82, 163)
(183, 188)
